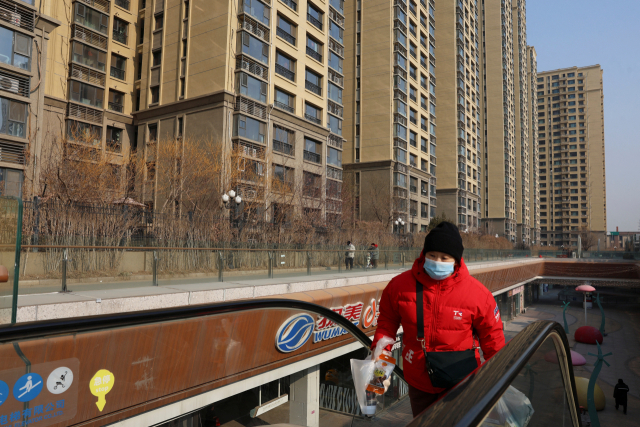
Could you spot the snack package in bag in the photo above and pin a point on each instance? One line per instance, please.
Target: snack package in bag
(370, 375)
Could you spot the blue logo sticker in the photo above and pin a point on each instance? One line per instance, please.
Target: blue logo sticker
(294, 333)
(28, 387)
(4, 392)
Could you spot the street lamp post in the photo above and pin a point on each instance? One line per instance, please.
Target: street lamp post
(232, 200)
(399, 223)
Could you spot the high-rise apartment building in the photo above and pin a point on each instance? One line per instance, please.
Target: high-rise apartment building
(391, 111)
(572, 161)
(260, 78)
(522, 116)
(90, 77)
(460, 112)
(26, 40)
(534, 171)
(501, 180)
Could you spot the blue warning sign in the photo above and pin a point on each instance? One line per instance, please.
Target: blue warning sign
(28, 387)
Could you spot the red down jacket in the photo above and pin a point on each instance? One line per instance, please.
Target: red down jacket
(453, 308)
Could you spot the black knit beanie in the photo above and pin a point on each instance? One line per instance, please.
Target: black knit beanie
(445, 237)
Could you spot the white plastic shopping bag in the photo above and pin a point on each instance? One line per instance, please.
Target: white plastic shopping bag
(371, 376)
(514, 409)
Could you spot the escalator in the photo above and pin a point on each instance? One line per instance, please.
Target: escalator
(255, 362)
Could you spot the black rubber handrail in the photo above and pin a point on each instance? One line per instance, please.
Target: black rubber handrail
(75, 325)
(468, 403)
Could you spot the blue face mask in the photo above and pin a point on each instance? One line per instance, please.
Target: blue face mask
(438, 270)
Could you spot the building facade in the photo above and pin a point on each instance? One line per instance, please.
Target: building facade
(25, 42)
(500, 198)
(460, 112)
(534, 171)
(572, 158)
(390, 111)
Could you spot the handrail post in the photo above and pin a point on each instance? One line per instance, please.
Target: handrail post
(154, 268)
(220, 266)
(308, 263)
(64, 270)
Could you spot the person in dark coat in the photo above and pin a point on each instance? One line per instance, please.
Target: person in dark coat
(620, 395)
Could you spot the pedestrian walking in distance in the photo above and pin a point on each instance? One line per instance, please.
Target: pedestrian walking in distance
(375, 255)
(620, 395)
(350, 255)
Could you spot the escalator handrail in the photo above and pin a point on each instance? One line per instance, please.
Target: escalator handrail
(49, 328)
(468, 403)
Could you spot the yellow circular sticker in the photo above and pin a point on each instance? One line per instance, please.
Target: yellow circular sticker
(101, 384)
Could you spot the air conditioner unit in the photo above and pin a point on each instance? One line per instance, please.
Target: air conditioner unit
(259, 32)
(9, 84)
(12, 17)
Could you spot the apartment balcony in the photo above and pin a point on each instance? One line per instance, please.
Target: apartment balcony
(251, 107)
(88, 36)
(312, 157)
(397, 47)
(119, 36)
(398, 25)
(246, 63)
(258, 29)
(18, 15)
(334, 173)
(285, 72)
(85, 113)
(336, 77)
(397, 93)
(102, 5)
(399, 142)
(335, 109)
(399, 118)
(336, 16)
(400, 72)
(399, 167)
(335, 141)
(336, 47)
(313, 87)
(285, 36)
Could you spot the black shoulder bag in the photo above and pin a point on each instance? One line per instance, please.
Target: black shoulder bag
(445, 368)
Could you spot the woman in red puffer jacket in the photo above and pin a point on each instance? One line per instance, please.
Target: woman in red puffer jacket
(455, 308)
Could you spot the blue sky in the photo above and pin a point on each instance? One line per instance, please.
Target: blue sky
(586, 32)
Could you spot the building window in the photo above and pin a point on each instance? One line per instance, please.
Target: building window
(159, 21)
(335, 31)
(84, 132)
(250, 86)
(286, 30)
(157, 58)
(335, 124)
(155, 94)
(314, 16)
(335, 93)
(284, 100)
(120, 30)
(285, 66)
(91, 18)
(314, 48)
(249, 128)
(334, 157)
(118, 66)
(283, 140)
(253, 47)
(13, 117)
(86, 94)
(312, 151)
(15, 49)
(116, 101)
(313, 113)
(82, 54)
(313, 82)
(256, 9)
(335, 62)
(114, 139)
